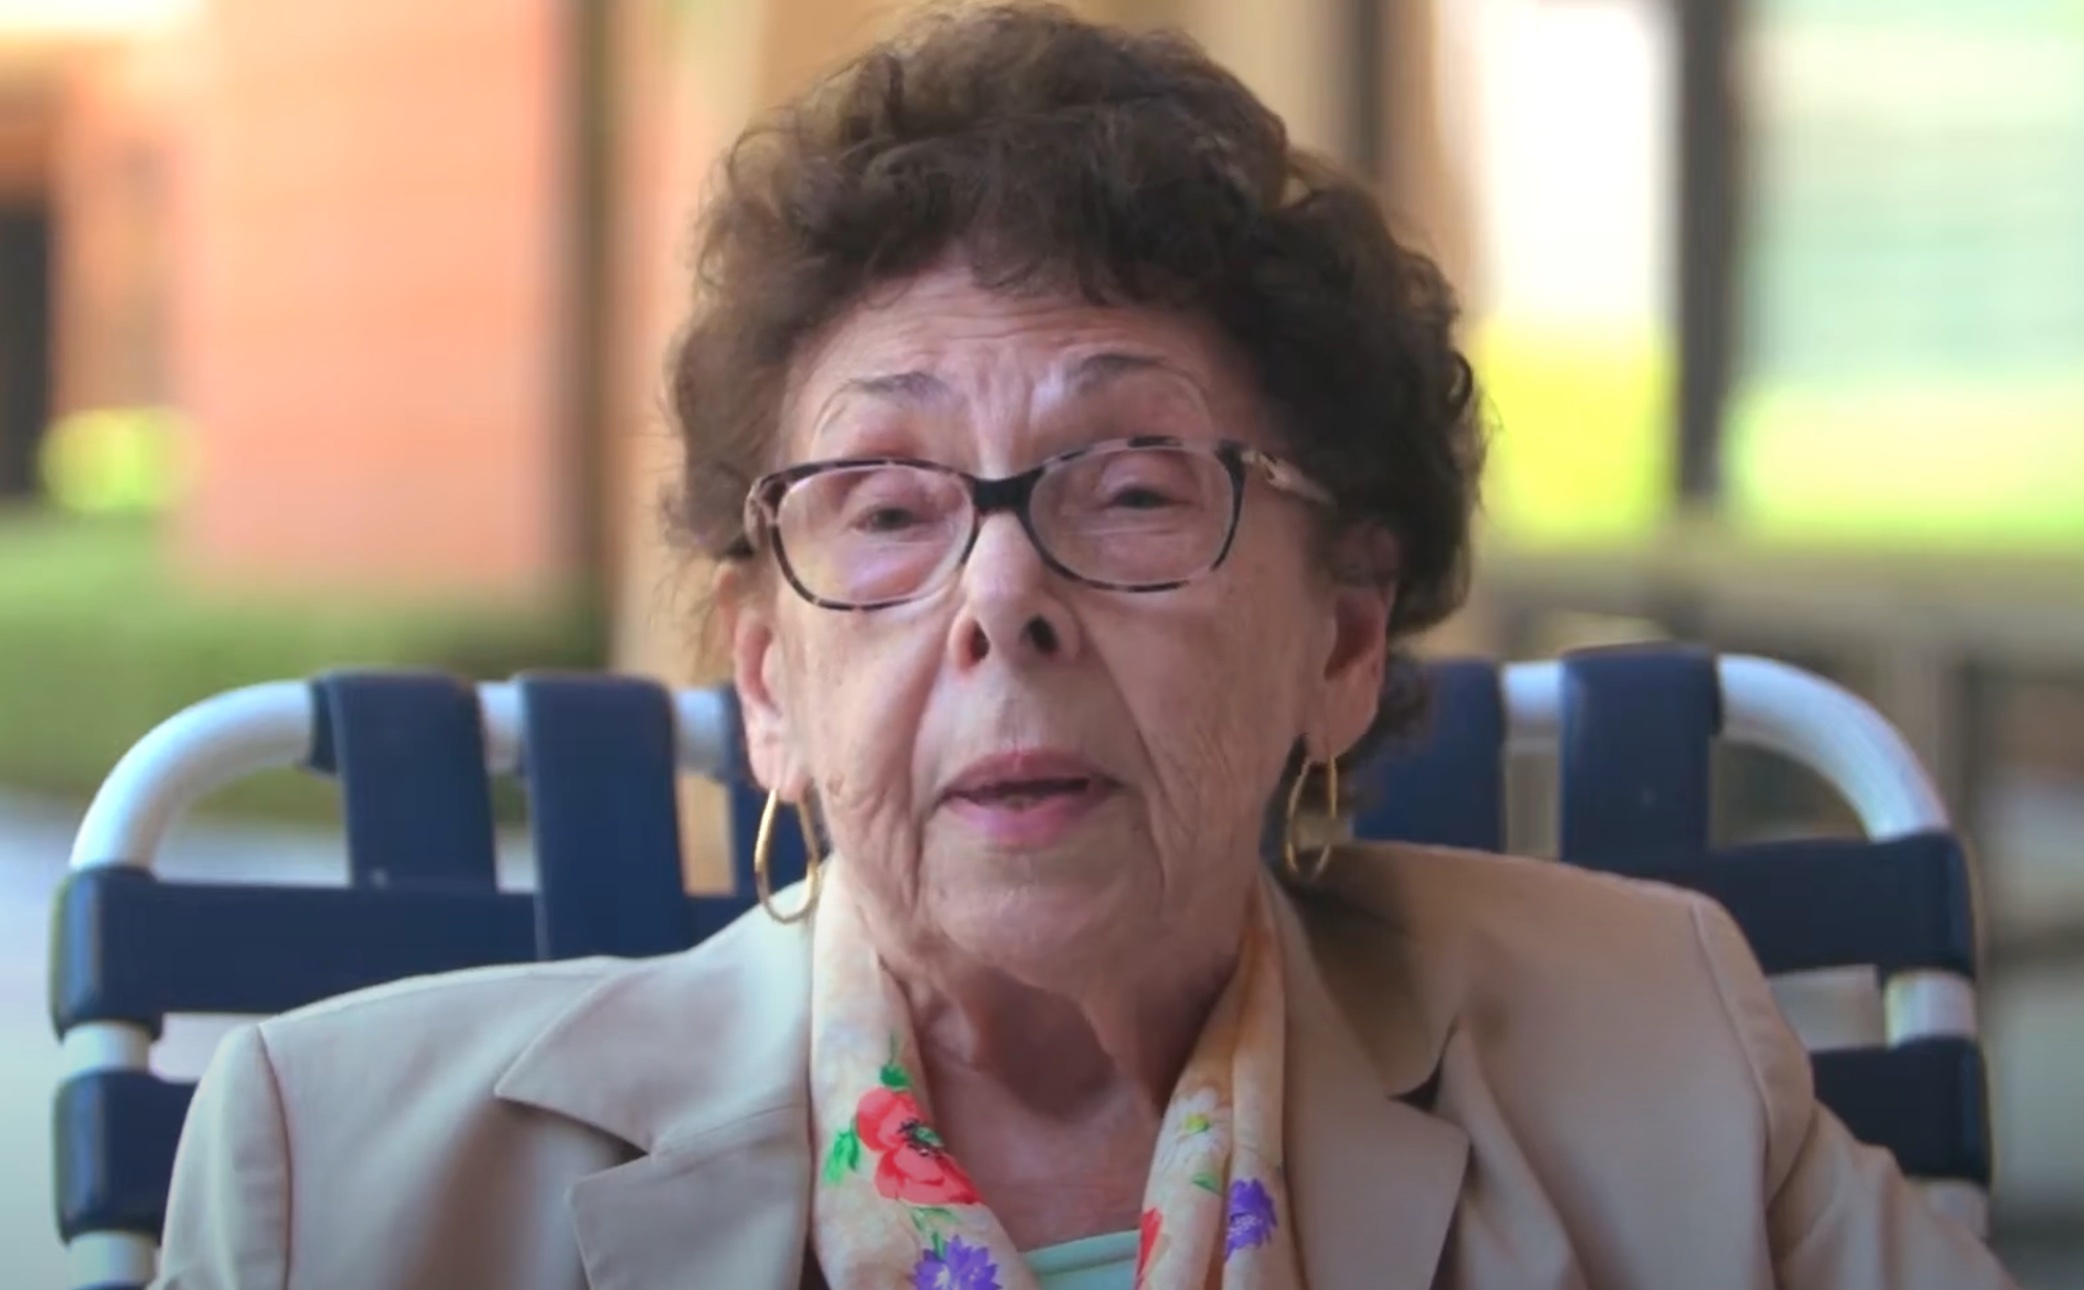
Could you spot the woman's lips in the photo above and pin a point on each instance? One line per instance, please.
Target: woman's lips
(1027, 799)
(1029, 813)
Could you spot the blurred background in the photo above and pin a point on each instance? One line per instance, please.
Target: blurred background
(331, 330)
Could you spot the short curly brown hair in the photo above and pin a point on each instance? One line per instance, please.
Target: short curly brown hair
(1125, 166)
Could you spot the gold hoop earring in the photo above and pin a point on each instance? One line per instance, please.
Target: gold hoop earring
(763, 843)
(1291, 852)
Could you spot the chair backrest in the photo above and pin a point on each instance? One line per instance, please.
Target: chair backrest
(1633, 731)
(599, 755)
(411, 754)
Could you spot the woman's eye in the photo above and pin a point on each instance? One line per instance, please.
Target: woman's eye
(1139, 497)
(885, 519)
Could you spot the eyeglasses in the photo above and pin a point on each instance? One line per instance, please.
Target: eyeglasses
(1143, 514)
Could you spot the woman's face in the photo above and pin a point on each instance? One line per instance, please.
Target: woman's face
(1035, 773)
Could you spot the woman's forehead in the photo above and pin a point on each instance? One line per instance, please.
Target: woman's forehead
(943, 342)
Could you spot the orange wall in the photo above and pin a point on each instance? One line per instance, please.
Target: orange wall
(112, 183)
(27, 122)
(367, 317)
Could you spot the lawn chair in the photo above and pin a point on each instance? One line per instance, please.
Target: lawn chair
(1632, 731)
(599, 755)
(411, 754)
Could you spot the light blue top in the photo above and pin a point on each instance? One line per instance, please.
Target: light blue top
(1094, 1263)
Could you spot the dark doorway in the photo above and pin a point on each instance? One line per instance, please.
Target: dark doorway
(1710, 199)
(25, 346)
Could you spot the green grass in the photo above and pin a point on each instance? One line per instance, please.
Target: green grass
(98, 644)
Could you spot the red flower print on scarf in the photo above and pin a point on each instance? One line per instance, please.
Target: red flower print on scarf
(914, 1166)
(1147, 1242)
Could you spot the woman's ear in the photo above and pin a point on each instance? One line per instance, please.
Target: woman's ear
(759, 673)
(1363, 597)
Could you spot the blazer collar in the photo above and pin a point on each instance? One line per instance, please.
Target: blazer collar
(700, 1061)
(1373, 1176)
(708, 1079)
(671, 1049)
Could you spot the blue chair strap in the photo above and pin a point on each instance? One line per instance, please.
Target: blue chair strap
(409, 751)
(113, 1135)
(1445, 786)
(600, 757)
(1924, 1101)
(1896, 905)
(1638, 728)
(128, 947)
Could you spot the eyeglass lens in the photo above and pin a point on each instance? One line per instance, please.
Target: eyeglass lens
(1129, 517)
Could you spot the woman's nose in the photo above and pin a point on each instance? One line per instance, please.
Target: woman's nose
(1012, 601)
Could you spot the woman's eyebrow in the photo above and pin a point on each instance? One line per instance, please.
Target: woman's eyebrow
(916, 388)
(898, 387)
(1089, 373)
(1095, 370)
(912, 389)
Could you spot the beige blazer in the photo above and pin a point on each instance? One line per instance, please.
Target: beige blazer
(1502, 1074)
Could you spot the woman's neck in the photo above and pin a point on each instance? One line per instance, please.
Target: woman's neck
(1047, 1070)
(1053, 1104)
(1057, 1048)
(1048, 1177)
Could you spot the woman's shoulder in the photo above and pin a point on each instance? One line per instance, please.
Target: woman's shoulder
(444, 1038)
(474, 1023)
(368, 1108)
(1543, 966)
(457, 1006)
(1446, 895)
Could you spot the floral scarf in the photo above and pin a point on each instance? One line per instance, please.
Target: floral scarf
(892, 1208)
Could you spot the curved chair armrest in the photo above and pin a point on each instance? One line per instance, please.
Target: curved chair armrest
(260, 727)
(1784, 710)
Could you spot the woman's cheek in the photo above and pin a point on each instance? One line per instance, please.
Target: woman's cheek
(1223, 753)
(870, 727)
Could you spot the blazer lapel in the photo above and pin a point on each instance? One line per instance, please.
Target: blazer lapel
(699, 1061)
(732, 1210)
(1373, 1177)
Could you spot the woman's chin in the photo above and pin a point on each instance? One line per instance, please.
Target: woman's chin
(1035, 921)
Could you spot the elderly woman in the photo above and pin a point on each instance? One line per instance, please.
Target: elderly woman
(1077, 454)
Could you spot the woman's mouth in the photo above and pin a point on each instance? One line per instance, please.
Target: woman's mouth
(1021, 794)
(1027, 800)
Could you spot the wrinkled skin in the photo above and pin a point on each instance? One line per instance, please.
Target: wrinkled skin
(1070, 977)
